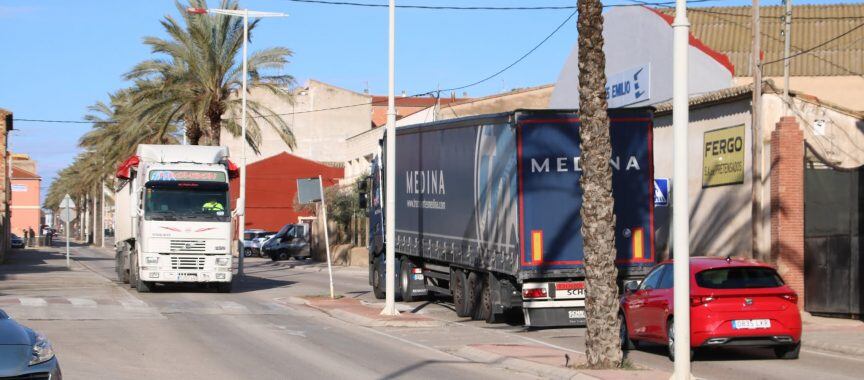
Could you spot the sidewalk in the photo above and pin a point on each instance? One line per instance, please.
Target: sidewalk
(842, 336)
(544, 361)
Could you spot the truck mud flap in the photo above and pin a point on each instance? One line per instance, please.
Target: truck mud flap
(555, 317)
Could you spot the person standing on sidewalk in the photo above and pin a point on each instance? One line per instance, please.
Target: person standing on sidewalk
(26, 237)
(32, 237)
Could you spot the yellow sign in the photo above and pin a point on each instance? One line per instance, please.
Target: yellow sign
(723, 157)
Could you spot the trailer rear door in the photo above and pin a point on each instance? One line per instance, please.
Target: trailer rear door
(550, 196)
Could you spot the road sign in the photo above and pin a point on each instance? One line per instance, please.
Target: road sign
(309, 190)
(67, 214)
(67, 202)
(661, 192)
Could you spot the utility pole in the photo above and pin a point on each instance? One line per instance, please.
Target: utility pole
(787, 44)
(390, 169)
(680, 202)
(756, 124)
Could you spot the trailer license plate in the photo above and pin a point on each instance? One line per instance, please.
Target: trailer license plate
(749, 324)
(576, 314)
(187, 277)
(569, 290)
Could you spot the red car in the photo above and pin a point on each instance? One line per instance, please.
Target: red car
(733, 302)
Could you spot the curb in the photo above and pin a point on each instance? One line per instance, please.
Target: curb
(357, 319)
(540, 370)
(832, 348)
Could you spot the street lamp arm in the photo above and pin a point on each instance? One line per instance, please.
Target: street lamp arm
(234, 12)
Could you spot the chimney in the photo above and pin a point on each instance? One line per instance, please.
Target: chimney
(404, 94)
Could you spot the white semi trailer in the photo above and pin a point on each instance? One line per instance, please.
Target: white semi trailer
(173, 217)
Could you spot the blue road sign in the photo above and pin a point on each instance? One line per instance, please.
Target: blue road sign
(661, 192)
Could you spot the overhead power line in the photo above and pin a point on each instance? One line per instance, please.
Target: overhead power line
(805, 51)
(497, 73)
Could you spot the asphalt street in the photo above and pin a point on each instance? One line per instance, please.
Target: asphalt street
(105, 330)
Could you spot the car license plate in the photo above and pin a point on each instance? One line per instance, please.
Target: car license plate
(749, 324)
(576, 314)
(187, 277)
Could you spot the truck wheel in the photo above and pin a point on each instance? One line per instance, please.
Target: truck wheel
(405, 273)
(283, 255)
(133, 270)
(143, 286)
(224, 287)
(459, 288)
(485, 310)
(120, 266)
(247, 252)
(377, 286)
(473, 291)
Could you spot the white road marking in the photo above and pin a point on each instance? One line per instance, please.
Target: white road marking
(82, 302)
(38, 302)
(232, 306)
(133, 303)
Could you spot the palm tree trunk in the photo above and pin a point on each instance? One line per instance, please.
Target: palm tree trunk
(193, 131)
(215, 116)
(602, 342)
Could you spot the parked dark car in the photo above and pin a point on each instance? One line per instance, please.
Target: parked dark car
(733, 302)
(24, 353)
(16, 241)
(291, 241)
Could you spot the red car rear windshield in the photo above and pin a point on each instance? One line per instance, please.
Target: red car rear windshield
(739, 278)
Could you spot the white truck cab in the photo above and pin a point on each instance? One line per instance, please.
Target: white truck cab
(173, 217)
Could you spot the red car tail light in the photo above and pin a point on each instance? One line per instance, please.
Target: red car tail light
(700, 300)
(534, 293)
(791, 297)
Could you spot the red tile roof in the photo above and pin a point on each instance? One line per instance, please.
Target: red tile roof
(18, 173)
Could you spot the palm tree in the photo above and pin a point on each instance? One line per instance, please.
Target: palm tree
(602, 342)
(199, 79)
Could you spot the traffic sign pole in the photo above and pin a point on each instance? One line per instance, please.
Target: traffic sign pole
(66, 216)
(67, 235)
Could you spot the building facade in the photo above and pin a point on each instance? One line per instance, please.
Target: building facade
(271, 189)
(25, 195)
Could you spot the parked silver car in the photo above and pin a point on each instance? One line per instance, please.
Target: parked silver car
(252, 240)
(25, 353)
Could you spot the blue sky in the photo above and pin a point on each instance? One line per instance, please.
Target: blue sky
(61, 56)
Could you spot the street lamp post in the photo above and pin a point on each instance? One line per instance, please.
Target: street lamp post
(390, 175)
(680, 205)
(241, 201)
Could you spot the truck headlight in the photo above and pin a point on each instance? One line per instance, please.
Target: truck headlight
(42, 350)
(152, 259)
(222, 261)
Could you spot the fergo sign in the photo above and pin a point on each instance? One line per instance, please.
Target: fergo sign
(723, 157)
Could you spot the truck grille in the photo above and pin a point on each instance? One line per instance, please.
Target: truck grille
(190, 246)
(191, 262)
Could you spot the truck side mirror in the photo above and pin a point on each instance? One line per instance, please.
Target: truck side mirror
(363, 201)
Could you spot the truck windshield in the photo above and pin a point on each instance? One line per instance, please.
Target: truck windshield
(187, 204)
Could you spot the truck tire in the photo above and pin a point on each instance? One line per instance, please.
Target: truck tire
(485, 308)
(405, 272)
(133, 270)
(377, 286)
(143, 286)
(459, 285)
(473, 292)
(247, 252)
(283, 255)
(224, 287)
(120, 260)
